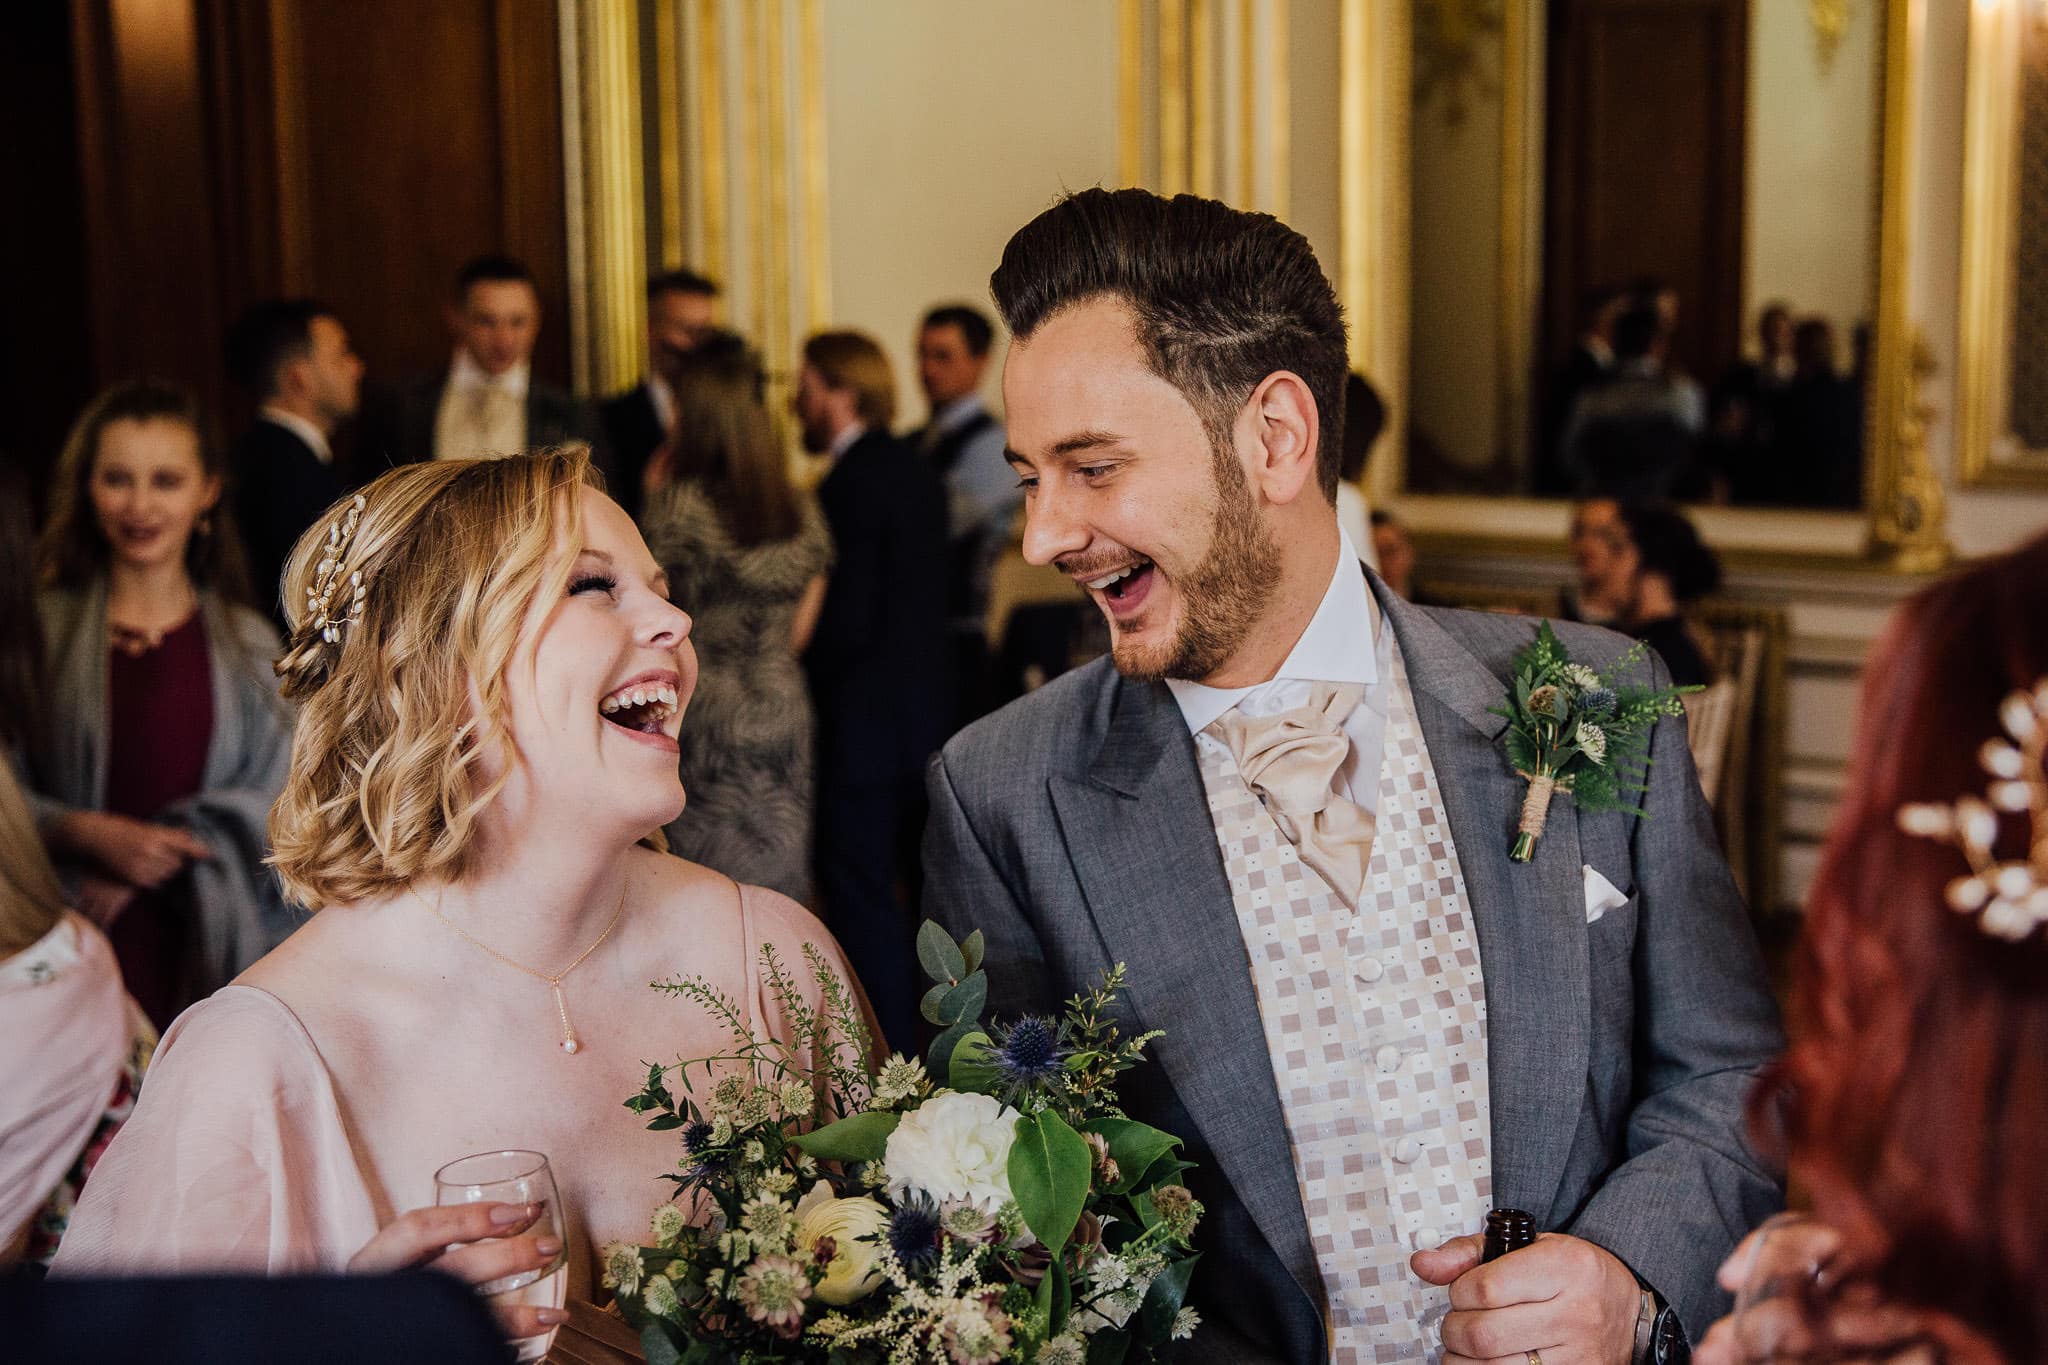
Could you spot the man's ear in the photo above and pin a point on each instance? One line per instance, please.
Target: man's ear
(1281, 425)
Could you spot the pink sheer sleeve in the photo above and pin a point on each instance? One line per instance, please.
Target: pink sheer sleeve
(235, 1158)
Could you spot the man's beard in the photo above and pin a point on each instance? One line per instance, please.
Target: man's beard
(1221, 597)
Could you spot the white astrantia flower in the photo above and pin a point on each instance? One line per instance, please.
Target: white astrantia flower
(953, 1146)
(1063, 1350)
(622, 1267)
(1581, 677)
(1184, 1324)
(1592, 741)
(661, 1297)
(668, 1224)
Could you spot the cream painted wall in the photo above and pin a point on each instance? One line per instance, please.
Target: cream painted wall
(947, 127)
(1811, 194)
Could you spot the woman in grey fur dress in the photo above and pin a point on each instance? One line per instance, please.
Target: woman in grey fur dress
(746, 555)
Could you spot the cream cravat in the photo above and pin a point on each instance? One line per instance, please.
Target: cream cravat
(1291, 761)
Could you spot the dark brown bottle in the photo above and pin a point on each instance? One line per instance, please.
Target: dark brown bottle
(1506, 1230)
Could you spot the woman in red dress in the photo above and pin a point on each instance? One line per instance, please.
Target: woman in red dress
(164, 742)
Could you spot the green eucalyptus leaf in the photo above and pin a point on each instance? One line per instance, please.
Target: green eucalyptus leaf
(1049, 1168)
(973, 1066)
(941, 957)
(939, 1060)
(860, 1137)
(962, 1004)
(973, 949)
(929, 1007)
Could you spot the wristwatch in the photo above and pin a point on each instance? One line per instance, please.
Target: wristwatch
(1660, 1336)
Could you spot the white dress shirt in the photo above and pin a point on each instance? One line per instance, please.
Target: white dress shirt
(315, 439)
(843, 442)
(663, 399)
(480, 413)
(1345, 642)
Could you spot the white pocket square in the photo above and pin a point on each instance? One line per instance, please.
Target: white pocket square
(1600, 895)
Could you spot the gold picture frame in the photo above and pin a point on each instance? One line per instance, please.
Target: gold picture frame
(1992, 454)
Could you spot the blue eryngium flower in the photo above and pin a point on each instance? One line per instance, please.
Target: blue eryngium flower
(1598, 703)
(914, 1232)
(1028, 1053)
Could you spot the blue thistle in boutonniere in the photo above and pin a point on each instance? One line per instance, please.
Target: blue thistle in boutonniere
(1577, 730)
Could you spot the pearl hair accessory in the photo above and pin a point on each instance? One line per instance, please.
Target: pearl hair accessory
(2010, 899)
(334, 603)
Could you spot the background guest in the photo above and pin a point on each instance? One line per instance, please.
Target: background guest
(1816, 456)
(1365, 417)
(1666, 569)
(488, 401)
(964, 443)
(746, 556)
(293, 357)
(681, 311)
(1914, 1091)
(1603, 589)
(1636, 435)
(1589, 365)
(164, 741)
(878, 664)
(1394, 552)
(79, 1042)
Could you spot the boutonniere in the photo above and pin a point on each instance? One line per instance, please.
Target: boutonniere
(1571, 729)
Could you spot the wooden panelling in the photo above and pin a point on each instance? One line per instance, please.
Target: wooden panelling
(229, 150)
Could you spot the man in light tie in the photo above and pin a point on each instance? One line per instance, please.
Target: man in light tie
(488, 401)
(1282, 803)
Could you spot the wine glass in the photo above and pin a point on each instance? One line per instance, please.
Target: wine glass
(1786, 1259)
(514, 1177)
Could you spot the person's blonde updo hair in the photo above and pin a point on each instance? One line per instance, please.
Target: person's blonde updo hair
(384, 786)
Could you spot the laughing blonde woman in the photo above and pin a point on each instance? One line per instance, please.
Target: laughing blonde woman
(490, 679)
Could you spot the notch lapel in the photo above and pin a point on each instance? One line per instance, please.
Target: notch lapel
(1138, 834)
(1530, 917)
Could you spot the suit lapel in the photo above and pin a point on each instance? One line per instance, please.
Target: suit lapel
(1530, 917)
(1138, 834)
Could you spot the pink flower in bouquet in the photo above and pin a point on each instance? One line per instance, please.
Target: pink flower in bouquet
(976, 1332)
(773, 1292)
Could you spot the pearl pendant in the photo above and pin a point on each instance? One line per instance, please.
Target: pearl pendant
(571, 1045)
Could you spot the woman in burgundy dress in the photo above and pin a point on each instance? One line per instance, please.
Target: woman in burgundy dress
(164, 742)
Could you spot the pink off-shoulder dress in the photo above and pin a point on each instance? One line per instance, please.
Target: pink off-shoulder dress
(237, 1158)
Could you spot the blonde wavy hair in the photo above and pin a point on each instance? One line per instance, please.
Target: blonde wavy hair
(386, 781)
(31, 900)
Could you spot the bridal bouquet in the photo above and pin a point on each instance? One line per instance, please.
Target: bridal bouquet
(989, 1203)
(1571, 729)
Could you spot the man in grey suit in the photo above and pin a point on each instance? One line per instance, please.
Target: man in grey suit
(1282, 802)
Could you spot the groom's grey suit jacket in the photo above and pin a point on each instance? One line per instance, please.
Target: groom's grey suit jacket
(1073, 829)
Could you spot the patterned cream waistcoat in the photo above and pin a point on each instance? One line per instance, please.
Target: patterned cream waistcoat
(1376, 1026)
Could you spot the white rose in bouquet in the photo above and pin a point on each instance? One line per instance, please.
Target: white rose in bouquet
(954, 1147)
(854, 1227)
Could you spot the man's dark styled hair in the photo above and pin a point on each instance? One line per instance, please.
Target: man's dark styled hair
(1635, 335)
(975, 328)
(267, 338)
(1365, 417)
(681, 282)
(493, 270)
(1223, 298)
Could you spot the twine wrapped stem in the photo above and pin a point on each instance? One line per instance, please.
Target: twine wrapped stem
(1535, 814)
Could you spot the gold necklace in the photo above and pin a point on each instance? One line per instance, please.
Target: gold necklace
(571, 1044)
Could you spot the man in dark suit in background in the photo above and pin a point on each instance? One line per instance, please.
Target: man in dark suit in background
(487, 402)
(879, 666)
(681, 313)
(293, 357)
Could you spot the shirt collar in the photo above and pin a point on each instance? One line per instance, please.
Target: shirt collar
(465, 373)
(843, 442)
(664, 400)
(315, 439)
(1333, 649)
(957, 413)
